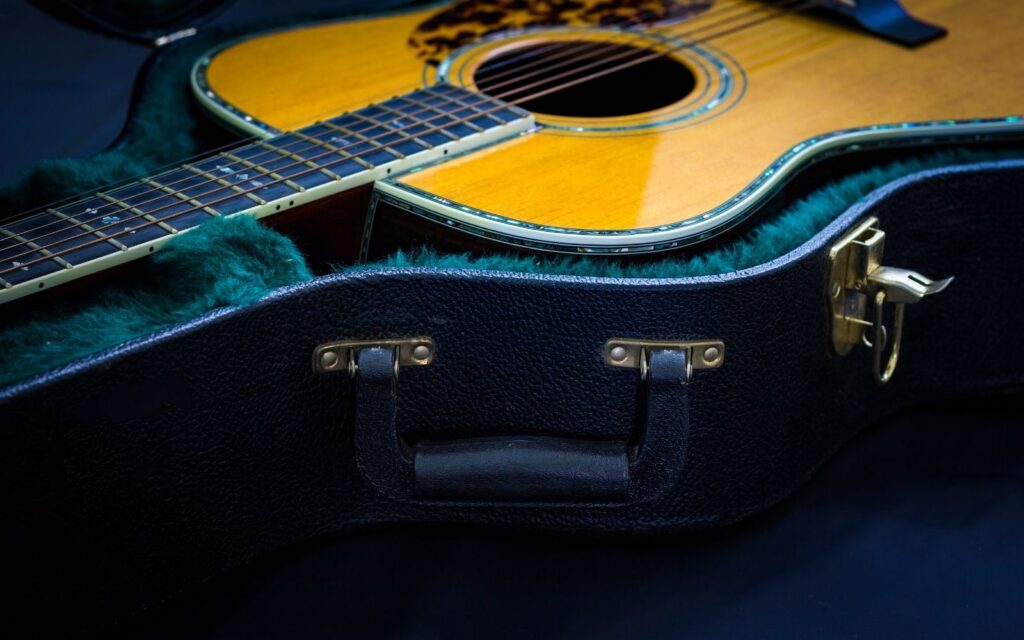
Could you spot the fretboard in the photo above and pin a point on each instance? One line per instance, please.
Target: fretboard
(262, 178)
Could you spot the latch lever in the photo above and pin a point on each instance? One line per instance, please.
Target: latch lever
(856, 278)
(904, 286)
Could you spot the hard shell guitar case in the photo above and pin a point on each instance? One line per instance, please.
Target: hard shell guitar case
(584, 405)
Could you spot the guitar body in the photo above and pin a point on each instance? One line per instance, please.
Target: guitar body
(772, 92)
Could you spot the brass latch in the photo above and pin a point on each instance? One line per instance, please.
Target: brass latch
(857, 279)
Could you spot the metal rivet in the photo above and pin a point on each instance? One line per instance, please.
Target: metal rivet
(421, 352)
(712, 354)
(618, 354)
(329, 359)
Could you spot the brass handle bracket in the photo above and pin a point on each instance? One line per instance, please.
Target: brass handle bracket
(857, 280)
(635, 354)
(340, 356)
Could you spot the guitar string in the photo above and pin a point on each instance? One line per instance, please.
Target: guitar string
(807, 5)
(575, 46)
(123, 182)
(629, 54)
(161, 193)
(43, 211)
(596, 47)
(169, 167)
(626, 23)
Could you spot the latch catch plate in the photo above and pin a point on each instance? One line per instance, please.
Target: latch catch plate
(852, 258)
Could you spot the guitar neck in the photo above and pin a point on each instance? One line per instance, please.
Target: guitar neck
(63, 243)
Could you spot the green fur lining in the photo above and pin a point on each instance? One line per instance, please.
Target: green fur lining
(226, 262)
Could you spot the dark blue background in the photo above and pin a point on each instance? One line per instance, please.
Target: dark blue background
(914, 530)
(67, 89)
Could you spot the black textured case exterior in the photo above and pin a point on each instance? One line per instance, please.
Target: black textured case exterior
(176, 457)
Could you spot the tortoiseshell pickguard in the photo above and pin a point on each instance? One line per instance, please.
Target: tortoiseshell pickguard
(470, 20)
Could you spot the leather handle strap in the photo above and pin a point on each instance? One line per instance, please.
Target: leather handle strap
(517, 468)
(522, 468)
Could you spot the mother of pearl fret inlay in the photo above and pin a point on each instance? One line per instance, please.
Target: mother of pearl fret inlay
(259, 179)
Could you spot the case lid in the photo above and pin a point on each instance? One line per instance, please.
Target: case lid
(139, 20)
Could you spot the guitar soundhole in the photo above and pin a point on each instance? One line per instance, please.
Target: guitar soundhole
(585, 79)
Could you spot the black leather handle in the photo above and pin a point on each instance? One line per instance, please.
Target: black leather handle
(524, 469)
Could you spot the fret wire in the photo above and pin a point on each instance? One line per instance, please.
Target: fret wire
(465, 121)
(77, 199)
(264, 171)
(180, 196)
(380, 145)
(261, 144)
(467, 106)
(370, 122)
(35, 247)
(78, 223)
(119, 185)
(415, 123)
(300, 160)
(166, 189)
(169, 190)
(221, 181)
(280, 151)
(423, 106)
(138, 212)
(332, 148)
(437, 111)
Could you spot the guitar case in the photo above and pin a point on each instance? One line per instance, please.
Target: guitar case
(583, 405)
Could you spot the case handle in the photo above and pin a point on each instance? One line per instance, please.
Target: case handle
(524, 469)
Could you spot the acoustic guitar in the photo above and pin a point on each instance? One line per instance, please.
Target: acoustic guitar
(567, 126)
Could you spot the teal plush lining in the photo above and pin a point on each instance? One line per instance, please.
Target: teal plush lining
(226, 262)
(236, 261)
